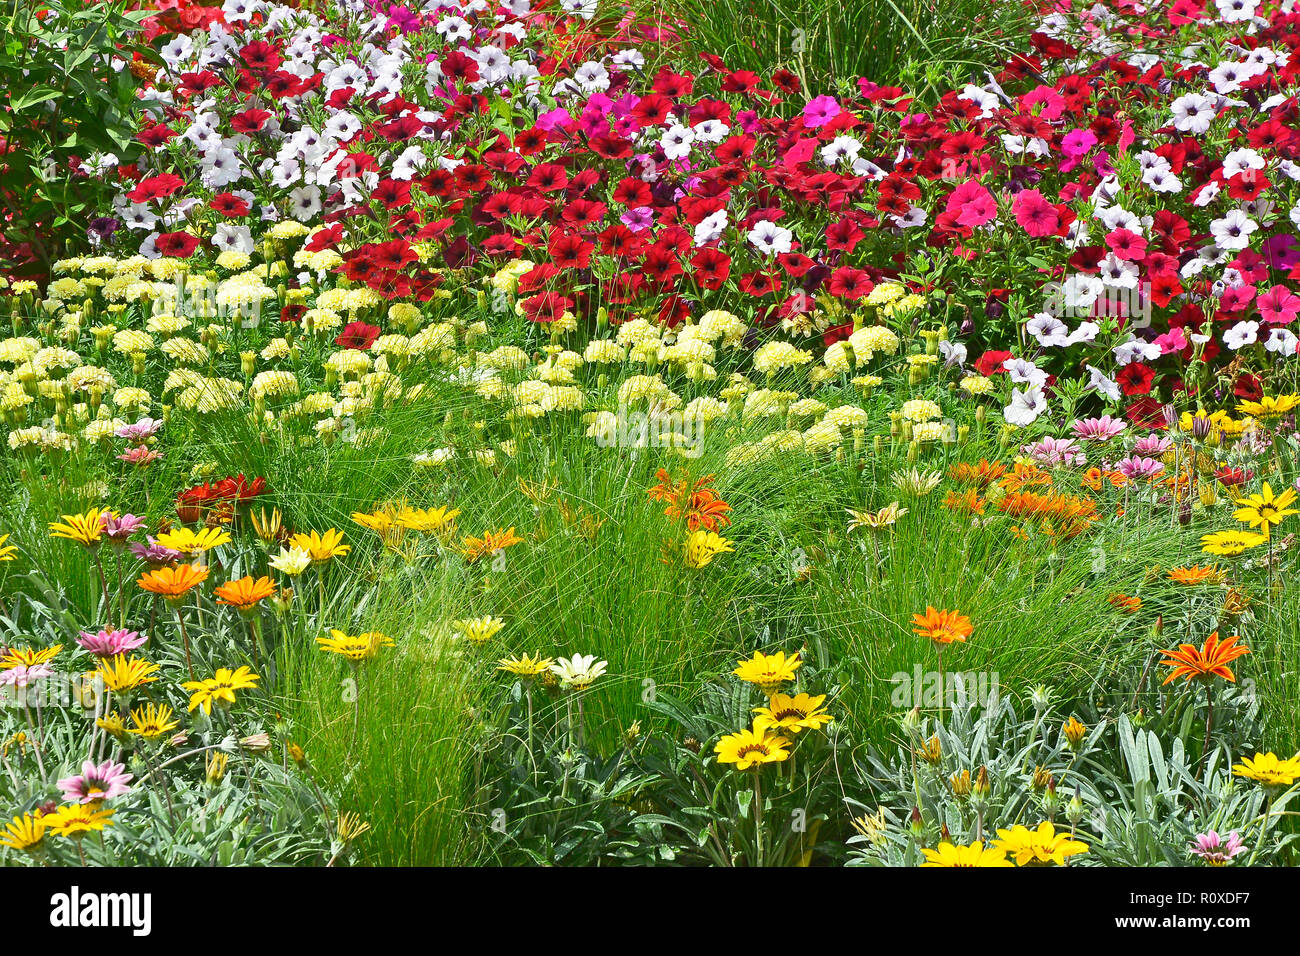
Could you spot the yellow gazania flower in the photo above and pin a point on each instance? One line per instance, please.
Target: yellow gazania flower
(977, 854)
(768, 671)
(113, 725)
(28, 657)
(1269, 409)
(1269, 769)
(244, 594)
(1038, 847)
(121, 674)
(77, 819)
(490, 542)
(380, 520)
(478, 630)
(321, 547)
(188, 541)
(7, 551)
(1229, 544)
(362, 647)
(85, 529)
(173, 583)
(25, 832)
(152, 721)
(1264, 511)
(883, 518)
(220, 690)
(427, 520)
(792, 714)
(702, 546)
(752, 748)
(525, 665)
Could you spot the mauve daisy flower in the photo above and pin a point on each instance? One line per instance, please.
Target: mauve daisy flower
(144, 428)
(121, 528)
(1136, 467)
(155, 554)
(1150, 445)
(96, 782)
(1216, 851)
(107, 643)
(1098, 429)
(22, 675)
(141, 455)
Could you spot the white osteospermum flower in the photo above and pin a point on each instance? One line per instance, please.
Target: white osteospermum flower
(291, 561)
(579, 671)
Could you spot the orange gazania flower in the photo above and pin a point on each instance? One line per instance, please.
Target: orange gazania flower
(1193, 663)
(966, 502)
(942, 627)
(702, 509)
(1196, 574)
(1025, 475)
(1125, 602)
(173, 583)
(244, 594)
(490, 542)
(983, 474)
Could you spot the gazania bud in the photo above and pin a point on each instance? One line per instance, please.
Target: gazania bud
(1074, 732)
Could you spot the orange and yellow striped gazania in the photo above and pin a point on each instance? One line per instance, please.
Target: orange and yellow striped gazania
(1193, 663)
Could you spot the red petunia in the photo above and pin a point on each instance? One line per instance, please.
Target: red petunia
(178, 245)
(358, 335)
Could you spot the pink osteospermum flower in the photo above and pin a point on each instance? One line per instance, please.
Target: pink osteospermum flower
(1150, 445)
(1055, 451)
(22, 675)
(144, 428)
(1098, 429)
(1216, 851)
(121, 528)
(140, 455)
(96, 782)
(107, 643)
(1135, 466)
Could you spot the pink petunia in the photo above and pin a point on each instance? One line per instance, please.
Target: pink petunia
(971, 204)
(1035, 214)
(1279, 305)
(820, 111)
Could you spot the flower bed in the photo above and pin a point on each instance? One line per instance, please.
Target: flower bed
(432, 300)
